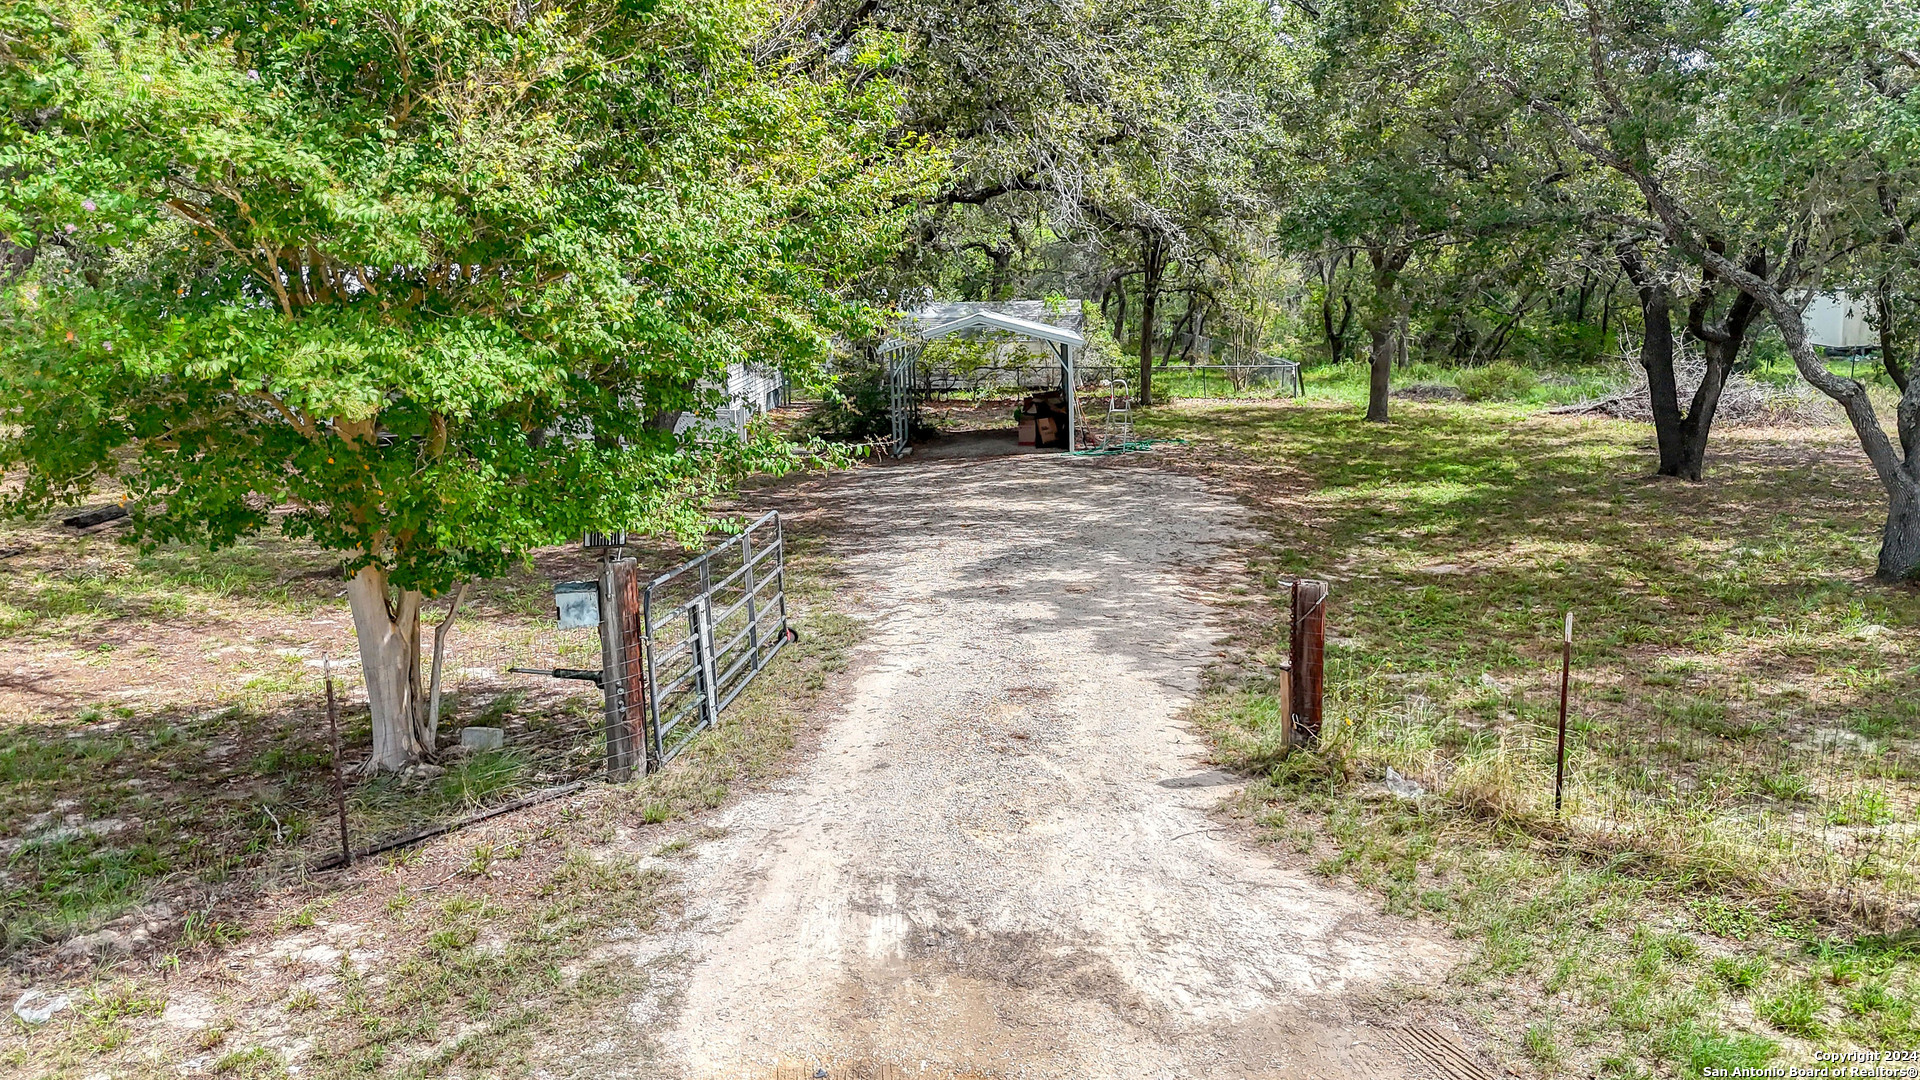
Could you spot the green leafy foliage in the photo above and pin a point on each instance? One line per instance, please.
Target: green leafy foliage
(424, 282)
(858, 408)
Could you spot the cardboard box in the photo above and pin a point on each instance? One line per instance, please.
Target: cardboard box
(1049, 430)
(1026, 431)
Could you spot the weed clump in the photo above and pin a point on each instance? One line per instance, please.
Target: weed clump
(1499, 381)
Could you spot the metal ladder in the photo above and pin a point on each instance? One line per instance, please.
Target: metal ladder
(1119, 423)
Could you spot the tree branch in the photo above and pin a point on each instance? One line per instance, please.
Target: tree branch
(1697, 318)
(439, 653)
(300, 424)
(981, 196)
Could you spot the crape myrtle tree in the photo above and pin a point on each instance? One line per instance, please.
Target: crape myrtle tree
(1809, 131)
(423, 281)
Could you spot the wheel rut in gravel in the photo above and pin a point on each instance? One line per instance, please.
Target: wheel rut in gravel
(999, 861)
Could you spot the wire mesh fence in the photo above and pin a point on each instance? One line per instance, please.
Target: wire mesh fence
(554, 732)
(1267, 377)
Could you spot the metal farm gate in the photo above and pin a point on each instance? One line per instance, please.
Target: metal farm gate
(683, 646)
(902, 360)
(706, 628)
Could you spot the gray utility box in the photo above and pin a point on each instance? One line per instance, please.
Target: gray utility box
(579, 604)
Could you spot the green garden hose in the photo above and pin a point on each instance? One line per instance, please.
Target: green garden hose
(1130, 446)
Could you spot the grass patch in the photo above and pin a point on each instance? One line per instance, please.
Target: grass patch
(1699, 1050)
(1503, 382)
(1794, 1010)
(1742, 770)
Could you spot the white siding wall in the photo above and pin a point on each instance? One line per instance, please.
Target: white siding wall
(750, 392)
(1838, 321)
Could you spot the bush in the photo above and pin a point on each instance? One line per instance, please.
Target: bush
(858, 408)
(1503, 381)
(1559, 346)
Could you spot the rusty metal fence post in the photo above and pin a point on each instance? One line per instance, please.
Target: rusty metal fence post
(1307, 661)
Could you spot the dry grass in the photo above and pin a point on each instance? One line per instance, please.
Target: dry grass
(162, 737)
(490, 952)
(1743, 400)
(1737, 862)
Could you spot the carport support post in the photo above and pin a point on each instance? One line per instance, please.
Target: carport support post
(1307, 654)
(1073, 397)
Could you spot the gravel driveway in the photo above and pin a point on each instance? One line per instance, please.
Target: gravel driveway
(999, 861)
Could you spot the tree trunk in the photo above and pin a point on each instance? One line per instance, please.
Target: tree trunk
(1154, 248)
(1000, 282)
(1336, 335)
(389, 638)
(1381, 375)
(1381, 323)
(1900, 542)
(1179, 328)
(1721, 345)
(440, 654)
(1148, 301)
(1722, 352)
(1690, 459)
(1889, 334)
(1656, 358)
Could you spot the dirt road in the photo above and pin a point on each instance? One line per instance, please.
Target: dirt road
(999, 861)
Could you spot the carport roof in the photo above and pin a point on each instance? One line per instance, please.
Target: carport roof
(1040, 319)
(994, 320)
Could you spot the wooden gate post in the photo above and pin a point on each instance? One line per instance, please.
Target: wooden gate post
(635, 687)
(1307, 660)
(616, 602)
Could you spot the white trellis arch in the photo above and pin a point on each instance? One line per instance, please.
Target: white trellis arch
(903, 353)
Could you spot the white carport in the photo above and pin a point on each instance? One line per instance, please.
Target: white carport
(902, 356)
